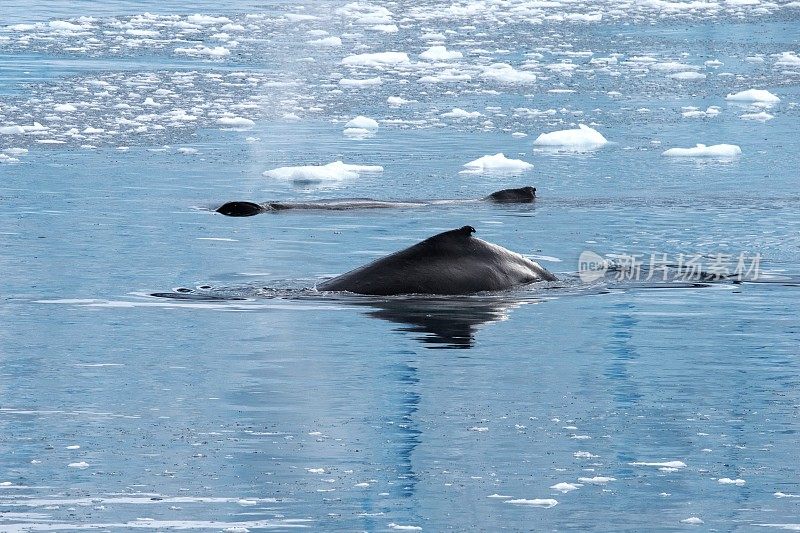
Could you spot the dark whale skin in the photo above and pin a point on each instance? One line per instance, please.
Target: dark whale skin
(450, 263)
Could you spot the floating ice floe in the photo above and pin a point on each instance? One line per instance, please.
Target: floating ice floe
(366, 82)
(440, 53)
(583, 137)
(18, 129)
(200, 50)
(787, 59)
(397, 101)
(729, 481)
(457, 112)
(597, 480)
(498, 163)
(724, 151)
(236, 123)
(505, 73)
(363, 123)
(332, 42)
(376, 59)
(688, 75)
(335, 171)
(537, 502)
(566, 487)
(665, 464)
(64, 108)
(693, 112)
(400, 527)
(692, 521)
(753, 95)
(761, 116)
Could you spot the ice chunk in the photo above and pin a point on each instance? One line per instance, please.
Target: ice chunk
(349, 82)
(440, 53)
(581, 137)
(597, 480)
(238, 123)
(397, 101)
(788, 59)
(667, 464)
(64, 108)
(566, 487)
(545, 502)
(505, 73)
(692, 520)
(701, 150)
(729, 481)
(399, 527)
(327, 41)
(376, 59)
(200, 50)
(753, 95)
(496, 163)
(362, 122)
(457, 112)
(335, 171)
(761, 116)
(688, 75)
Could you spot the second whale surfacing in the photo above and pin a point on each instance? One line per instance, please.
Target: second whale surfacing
(450, 263)
(521, 195)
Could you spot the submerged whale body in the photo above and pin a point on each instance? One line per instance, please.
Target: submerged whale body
(453, 262)
(248, 209)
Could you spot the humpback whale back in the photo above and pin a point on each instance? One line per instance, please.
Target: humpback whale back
(453, 262)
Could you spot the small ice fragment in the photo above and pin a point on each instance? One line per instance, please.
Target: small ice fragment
(315, 470)
(404, 528)
(692, 520)
(545, 503)
(397, 101)
(440, 53)
(238, 123)
(457, 112)
(496, 496)
(479, 429)
(761, 116)
(566, 487)
(79, 464)
(726, 151)
(64, 108)
(729, 481)
(362, 122)
(667, 464)
(332, 171)
(495, 163)
(376, 59)
(597, 480)
(584, 455)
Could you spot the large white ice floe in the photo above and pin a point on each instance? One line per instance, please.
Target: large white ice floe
(505, 73)
(721, 151)
(582, 137)
(440, 53)
(335, 171)
(753, 95)
(497, 163)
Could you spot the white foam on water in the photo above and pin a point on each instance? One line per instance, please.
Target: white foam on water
(721, 151)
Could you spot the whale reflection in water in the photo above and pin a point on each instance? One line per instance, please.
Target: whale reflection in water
(443, 323)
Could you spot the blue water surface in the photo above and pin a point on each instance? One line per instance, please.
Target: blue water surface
(245, 400)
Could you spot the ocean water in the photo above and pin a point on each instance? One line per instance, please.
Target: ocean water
(238, 398)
